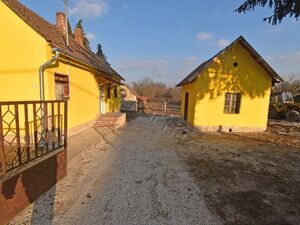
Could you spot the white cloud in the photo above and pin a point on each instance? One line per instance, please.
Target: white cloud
(151, 67)
(170, 71)
(293, 57)
(85, 9)
(205, 36)
(210, 38)
(91, 36)
(287, 63)
(222, 43)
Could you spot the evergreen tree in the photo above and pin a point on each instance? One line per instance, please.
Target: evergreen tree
(100, 52)
(281, 9)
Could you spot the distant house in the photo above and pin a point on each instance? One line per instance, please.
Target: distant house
(37, 63)
(128, 94)
(229, 92)
(129, 99)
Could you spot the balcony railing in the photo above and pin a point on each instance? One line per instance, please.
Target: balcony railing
(29, 130)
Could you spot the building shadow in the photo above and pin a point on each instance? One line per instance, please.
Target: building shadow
(28, 186)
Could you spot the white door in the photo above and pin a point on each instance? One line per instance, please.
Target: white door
(102, 100)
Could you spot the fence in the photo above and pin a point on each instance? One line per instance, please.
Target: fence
(29, 130)
(163, 107)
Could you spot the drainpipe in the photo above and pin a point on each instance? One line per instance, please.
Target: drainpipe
(41, 73)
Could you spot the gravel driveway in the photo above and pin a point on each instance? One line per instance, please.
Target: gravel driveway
(133, 176)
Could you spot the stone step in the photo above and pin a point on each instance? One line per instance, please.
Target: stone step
(110, 120)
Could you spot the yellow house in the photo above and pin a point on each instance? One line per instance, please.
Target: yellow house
(39, 61)
(229, 92)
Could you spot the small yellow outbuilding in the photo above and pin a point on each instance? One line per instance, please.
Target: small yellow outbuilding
(229, 92)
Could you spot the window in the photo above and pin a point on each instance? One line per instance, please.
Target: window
(62, 90)
(232, 103)
(116, 92)
(108, 91)
(297, 99)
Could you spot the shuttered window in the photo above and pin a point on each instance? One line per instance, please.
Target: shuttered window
(232, 103)
(62, 89)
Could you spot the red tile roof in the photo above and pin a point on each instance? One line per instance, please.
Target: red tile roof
(57, 40)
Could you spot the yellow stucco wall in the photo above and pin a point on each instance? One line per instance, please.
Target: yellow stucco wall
(221, 77)
(22, 52)
(83, 104)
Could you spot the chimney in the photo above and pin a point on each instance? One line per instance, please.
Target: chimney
(79, 36)
(61, 22)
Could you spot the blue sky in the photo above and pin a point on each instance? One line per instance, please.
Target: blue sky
(165, 40)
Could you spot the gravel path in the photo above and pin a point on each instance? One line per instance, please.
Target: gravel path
(133, 176)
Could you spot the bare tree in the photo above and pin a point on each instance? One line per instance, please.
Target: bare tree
(147, 87)
(291, 83)
(140, 87)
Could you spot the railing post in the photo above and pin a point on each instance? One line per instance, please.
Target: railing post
(52, 125)
(58, 125)
(45, 125)
(27, 136)
(35, 131)
(18, 133)
(2, 153)
(65, 124)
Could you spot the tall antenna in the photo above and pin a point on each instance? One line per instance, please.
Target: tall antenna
(67, 20)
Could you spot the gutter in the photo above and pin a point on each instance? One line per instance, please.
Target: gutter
(41, 73)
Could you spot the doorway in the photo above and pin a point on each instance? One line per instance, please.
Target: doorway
(186, 106)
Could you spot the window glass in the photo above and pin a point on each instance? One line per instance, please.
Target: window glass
(116, 92)
(108, 91)
(232, 103)
(62, 89)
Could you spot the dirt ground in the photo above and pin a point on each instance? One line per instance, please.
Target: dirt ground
(156, 171)
(247, 178)
(131, 176)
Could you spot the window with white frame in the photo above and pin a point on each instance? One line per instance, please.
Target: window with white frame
(232, 103)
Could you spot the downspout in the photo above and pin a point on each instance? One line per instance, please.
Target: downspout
(41, 73)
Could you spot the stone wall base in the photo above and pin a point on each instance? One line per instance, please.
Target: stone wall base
(75, 130)
(228, 129)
